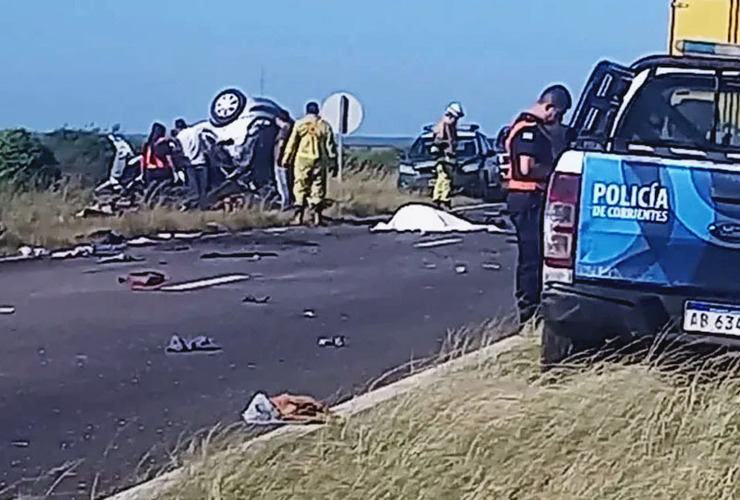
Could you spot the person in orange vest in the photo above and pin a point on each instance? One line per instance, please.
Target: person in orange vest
(156, 156)
(531, 154)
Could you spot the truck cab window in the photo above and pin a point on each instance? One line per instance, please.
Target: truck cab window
(673, 110)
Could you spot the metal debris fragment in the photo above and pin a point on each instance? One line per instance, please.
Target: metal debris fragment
(251, 299)
(142, 242)
(337, 341)
(119, 258)
(238, 255)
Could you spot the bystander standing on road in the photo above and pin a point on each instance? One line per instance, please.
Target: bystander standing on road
(311, 151)
(444, 147)
(123, 156)
(281, 171)
(192, 147)
(531, 151)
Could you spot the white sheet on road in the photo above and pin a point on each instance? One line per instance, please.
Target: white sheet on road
(427, 219)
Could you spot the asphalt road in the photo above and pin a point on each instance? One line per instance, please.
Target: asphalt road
(83, 373)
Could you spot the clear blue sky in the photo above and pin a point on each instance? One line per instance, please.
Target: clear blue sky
(134, 61)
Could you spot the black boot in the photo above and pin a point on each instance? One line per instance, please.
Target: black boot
(317, 217)
(298, 216)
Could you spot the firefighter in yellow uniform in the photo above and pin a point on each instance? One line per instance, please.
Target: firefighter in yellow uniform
(444, 146)
(311, 151)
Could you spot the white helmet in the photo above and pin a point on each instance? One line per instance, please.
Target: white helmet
(455, 110)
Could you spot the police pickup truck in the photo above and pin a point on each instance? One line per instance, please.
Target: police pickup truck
(642, 219)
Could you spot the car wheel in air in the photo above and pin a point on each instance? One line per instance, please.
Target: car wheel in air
(227, 106)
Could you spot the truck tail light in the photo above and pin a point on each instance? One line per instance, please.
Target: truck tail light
(561, 214)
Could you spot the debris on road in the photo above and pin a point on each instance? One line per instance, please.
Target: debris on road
(251, 299)
(203, 344)
(461, 269)
(179, 248)
(33, 252)
(303, 409)
(21, 443)
(430, 265)
(178, 345)
(309, 313)
(491, 266)
(188, 236)
(205, 283)
(7, 310)
(80, 251)
(106, 250)
(439, 243)
(142, 241)
(238, 255)
(261, 411)
(215, 227)
(144, 280)
(285, 409)
(107, 237)
(337, 341)
(119, 258)
(427, 219)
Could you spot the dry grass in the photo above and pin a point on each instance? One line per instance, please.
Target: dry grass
(47, 218)
(502, 430)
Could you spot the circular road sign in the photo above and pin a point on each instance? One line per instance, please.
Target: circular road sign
(343, 112)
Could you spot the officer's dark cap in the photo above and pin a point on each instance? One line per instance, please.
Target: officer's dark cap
(312, 108)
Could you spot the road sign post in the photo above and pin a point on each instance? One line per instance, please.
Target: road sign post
(344, 113)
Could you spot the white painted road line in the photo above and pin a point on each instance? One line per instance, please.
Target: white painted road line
(439, 243)
(205, 283)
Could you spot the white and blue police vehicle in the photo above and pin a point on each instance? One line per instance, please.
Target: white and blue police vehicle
(641, 229)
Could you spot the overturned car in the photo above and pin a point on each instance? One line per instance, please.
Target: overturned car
(238, 140)
(234, 117)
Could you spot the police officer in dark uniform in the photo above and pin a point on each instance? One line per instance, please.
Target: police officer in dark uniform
(531, 152)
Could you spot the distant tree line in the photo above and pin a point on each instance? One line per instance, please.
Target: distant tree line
(38, 160)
